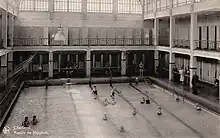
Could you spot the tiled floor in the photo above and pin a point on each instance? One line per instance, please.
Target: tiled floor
(73, 113)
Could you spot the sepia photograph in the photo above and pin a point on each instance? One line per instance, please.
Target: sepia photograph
(109, 68)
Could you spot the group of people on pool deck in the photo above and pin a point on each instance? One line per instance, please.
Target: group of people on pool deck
(26, 122)
(147, 100)
(112, 95)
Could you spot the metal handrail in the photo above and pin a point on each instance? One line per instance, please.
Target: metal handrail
(208, 45)
(181, 43)
(182, 3)
(83, 42)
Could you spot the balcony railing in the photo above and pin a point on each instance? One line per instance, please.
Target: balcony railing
(164, 42)
(163, 8)
(182, 3)
(83, 42)
(198, 1)
(181, 43)
(30, 41)
(207, 45)
(178, 4)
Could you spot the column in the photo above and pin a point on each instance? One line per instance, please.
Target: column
(10, 64)
(4, 28)
(101, 60)
(51, 5)
(193, 30)
(218, 37)
(4, 73)
(84, 8)
(10, 33)
(110, 60)
(219, 88)
(142, 30)
(59, 61)
(68, 57)
(218, 75)
(193, 67)
(45, 38)
(115, 9)
(119, 60)
(65, 31)
(41, 59)
(135, 59)
(172, 29)
(156, 60)
(51, 8)
(143, 58)
(12, 30)
(156, 31)
(50, 65)
(123, 63)
(88, 63)
(77, 60)
(155, 6)
(171, 64)
(93, 60)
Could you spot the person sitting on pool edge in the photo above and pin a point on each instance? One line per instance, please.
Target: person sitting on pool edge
(68, 80)
(26, 122)
(34, 121)
(143, 100)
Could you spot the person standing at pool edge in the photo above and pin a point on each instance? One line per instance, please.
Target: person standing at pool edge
(141, 68)
(194, 83)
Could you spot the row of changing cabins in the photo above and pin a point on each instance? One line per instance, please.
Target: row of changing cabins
(207, 69)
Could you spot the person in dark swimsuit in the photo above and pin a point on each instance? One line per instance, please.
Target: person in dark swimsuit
(113, 93)
(26, 122)
(34, 121)
(147, 100)
(143, 100)
(95, 92)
